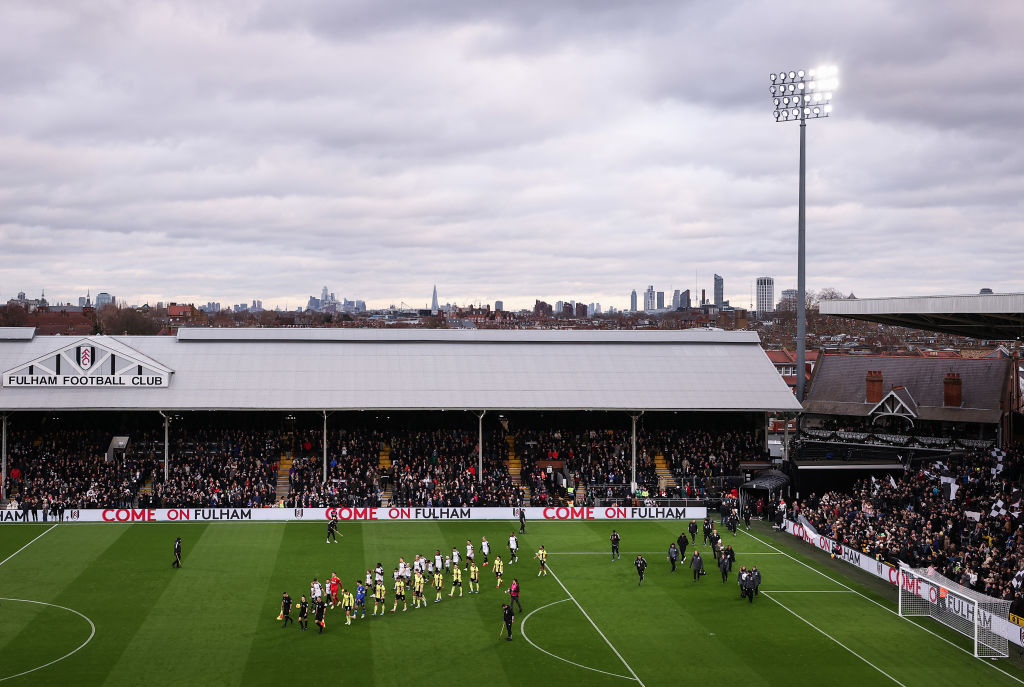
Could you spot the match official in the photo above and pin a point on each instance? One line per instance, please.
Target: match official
(615, 545)
(286, 610)
(509, 618)
(177, 553)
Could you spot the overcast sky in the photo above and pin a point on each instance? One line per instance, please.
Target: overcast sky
(503, 150)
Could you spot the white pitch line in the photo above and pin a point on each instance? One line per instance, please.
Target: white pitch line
(587, 616)
(522, 629)
(884, 607)
(92, 633)
(781, 605)
(651, 553)
(27, 545)
(810, 591)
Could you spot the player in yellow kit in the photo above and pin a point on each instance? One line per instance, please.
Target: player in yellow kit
(418, 584)
(348, 602)
(400, 595)
(499, 568)
(474, 578)
(542, 556)
(379, 592)
(456, 580)
(438, 585)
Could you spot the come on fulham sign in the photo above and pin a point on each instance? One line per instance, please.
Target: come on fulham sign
(91, 362)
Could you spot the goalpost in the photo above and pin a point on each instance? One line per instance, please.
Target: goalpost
(927, 593)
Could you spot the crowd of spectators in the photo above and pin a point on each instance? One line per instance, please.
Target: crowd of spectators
(960, 517)
(599, 459)
(439, 468)
(70, 469)
(353, 476)
(216, 468)
(698, 457)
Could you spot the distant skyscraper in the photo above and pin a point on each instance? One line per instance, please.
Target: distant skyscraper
(661, 300)
(632, 301)
(499, 305)
(719, 291)
(684, 300)
(433, 302)
(649, 298)
(104, 299)
(765, 295)
(675, 299)
(787, 300)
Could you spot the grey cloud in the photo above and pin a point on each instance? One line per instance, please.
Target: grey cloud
(521, 150)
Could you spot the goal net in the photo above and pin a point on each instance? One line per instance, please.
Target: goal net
(925, 592)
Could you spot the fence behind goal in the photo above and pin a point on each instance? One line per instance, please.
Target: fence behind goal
(925, 592)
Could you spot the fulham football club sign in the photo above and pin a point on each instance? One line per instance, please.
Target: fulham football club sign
(97, 361)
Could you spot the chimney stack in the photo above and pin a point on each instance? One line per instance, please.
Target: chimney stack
(952, 390)
(873, 386)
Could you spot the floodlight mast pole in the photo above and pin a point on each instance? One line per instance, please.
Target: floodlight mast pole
(801, 267)
(802, 95)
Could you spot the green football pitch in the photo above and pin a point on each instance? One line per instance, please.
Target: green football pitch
(100, 604)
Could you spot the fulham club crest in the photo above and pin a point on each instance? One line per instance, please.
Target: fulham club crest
(298, 512)
(85, 355)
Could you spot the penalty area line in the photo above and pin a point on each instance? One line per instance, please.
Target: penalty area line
(797, 615)
(27, 545)
(883, 607)
(587, 616)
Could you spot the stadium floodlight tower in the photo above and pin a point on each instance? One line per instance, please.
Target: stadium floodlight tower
(799, 95)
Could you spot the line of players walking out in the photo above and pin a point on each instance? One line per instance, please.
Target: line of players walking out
(407, 580)
(749, 580)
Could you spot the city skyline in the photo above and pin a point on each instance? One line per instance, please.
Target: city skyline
(509, 152)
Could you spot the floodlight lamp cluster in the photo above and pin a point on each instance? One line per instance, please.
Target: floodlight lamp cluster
(803, 94)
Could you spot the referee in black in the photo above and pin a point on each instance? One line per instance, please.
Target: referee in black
(615, 545)
(508, 617)
(321, 610)
(332, 530)
(177, 553)
(286, 610)
(522, 520)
